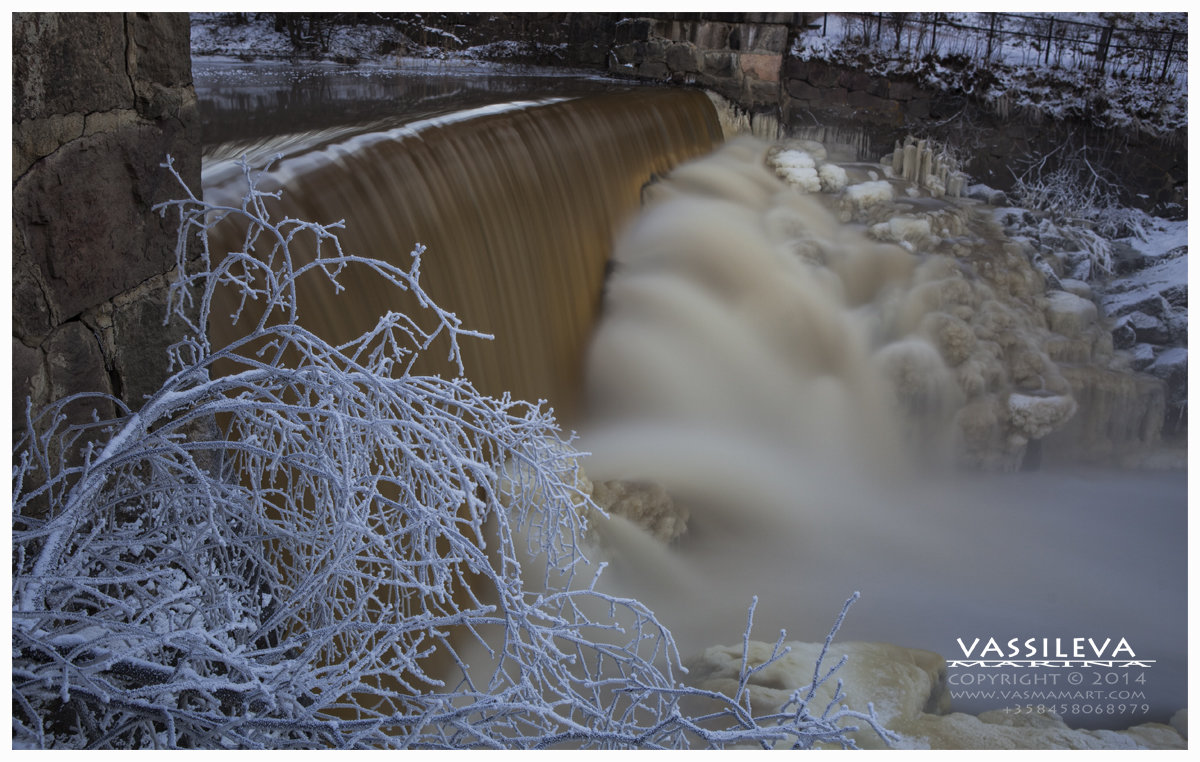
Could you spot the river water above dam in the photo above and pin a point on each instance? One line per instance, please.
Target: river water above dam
(745, 383)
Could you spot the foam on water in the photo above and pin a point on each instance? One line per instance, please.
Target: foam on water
(803, 390)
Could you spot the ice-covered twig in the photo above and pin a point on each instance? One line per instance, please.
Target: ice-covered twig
(315, 547)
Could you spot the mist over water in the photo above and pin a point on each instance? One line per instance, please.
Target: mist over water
(752, 359)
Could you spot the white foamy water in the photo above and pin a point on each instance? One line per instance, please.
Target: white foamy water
(774, 370)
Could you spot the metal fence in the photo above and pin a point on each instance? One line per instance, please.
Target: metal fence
(1146, 52)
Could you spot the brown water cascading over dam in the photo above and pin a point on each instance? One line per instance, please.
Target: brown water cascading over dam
(517, 206)
(792, 350)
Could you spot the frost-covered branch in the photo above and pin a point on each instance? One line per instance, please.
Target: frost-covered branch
(315, 547)
(1069, 187)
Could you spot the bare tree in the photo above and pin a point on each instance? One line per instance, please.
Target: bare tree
(274, 555)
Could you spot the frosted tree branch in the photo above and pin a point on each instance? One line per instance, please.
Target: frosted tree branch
(319, 548)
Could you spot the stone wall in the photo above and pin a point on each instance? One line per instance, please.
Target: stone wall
(738, 56)
(99, 100)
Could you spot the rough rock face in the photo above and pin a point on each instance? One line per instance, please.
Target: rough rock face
(1148, 309)
(99, 101)
(908, 690)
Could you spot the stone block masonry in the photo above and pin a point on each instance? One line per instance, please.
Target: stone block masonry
(739, 56)
(745, 58)
(99, 101)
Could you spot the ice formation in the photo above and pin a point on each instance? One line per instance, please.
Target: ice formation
(798, 168)
(870, 192)
(922, 164)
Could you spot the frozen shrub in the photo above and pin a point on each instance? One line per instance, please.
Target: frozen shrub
(277, 555)
(1082, 201)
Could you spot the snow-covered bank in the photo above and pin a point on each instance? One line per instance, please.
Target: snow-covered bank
(256, 36)
(1015, 77)
(1018, 77)
(1139, 282)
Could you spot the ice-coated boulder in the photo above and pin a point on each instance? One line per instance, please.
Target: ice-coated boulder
(904, 229)
(1128, 302)
(1080, 288)
(1171, 362)
(986, 194)
(1068, 313)
(1147, 328)
(870, 193)
(1141, 356)
(796, 167)
(833, 178)
(1123, 335)
(1036, 416)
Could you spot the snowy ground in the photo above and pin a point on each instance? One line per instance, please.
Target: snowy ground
(360, 44)
(1017, 76)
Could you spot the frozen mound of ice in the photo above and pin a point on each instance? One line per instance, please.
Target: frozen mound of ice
(870, 192)
(908, 230)
(833, 178)
(1069, 314)
(798, 168)
(1035, 416)
(951, 335)
(1079, 288)
(802, 164)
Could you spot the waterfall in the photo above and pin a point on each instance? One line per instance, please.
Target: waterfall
(786, 367)
(517, 205)
(797, 356)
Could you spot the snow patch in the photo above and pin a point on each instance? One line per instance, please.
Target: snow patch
(798, 168)
(1036, 416)
(833, 178)
(871, 193)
